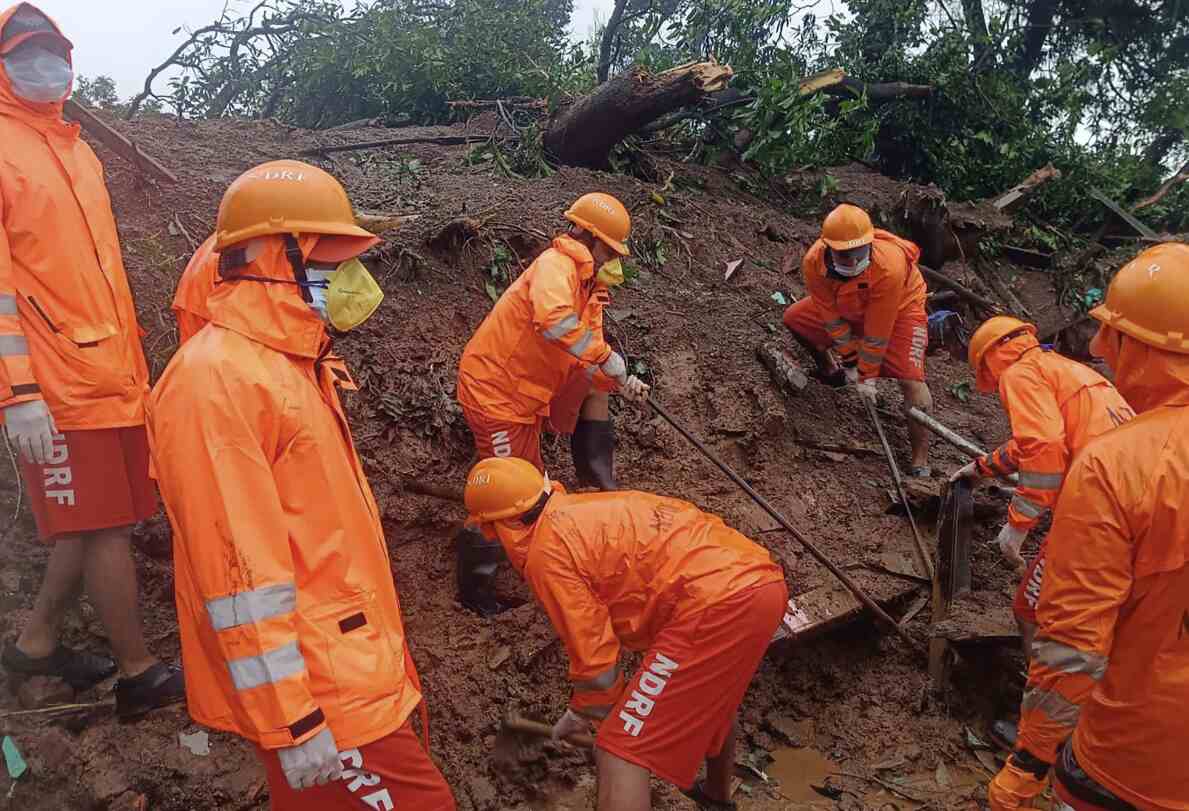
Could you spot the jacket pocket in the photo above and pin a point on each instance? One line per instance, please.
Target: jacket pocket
(350, 653)
(92, 355)
(535, 392)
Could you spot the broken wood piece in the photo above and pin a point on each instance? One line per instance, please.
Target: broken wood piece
(125, 148)
(952, 437)
(963, 291)
(439, 140)
(1012, 198)
(1028, 257)
(584, 133)
(784, 370)
(827, 607)
(1165, 187)
(1122, 214)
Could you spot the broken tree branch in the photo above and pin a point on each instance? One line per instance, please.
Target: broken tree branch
(963, 291)
(126, 149)
(1165, 187)
(515, 102)
(953, 437)
(837, 83)
(439, 140)
(990, 276)
(1011, 198)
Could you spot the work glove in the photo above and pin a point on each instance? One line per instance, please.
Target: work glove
(969, 471)
(1014, 787)
(866, 390)
(850, 375)
(1009, 541)
(635, 389)
(615, 368)
(570, 724)
(315, 762)
(30, 428)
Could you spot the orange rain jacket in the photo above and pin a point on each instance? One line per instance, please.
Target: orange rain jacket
(611, 569)
(546, 325)
(194, 288)
(892, 284)
(1111, 654)
(68, 330)
(1056, 405)
(288, 613)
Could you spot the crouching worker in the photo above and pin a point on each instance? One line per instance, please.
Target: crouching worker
(287, 610)
(650, 574)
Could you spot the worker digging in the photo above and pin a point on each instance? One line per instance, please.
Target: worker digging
(298, 460)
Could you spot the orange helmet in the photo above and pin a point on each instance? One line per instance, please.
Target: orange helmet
(605, 217)
(1146, 299)
(288, 197)
(992, 332)
(847, 227)
(499, 488)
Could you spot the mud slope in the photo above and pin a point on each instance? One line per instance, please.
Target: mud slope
(857, 697)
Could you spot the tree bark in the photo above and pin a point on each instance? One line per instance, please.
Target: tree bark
(609, 33)
(1040, 22)
(976, 26)
(584, 133)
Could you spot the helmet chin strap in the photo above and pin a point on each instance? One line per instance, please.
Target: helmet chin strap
(297, 262)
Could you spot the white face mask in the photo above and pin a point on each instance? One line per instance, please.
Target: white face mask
(38, 75)
(850, 271)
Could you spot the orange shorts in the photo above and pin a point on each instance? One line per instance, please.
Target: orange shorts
(905, 358)
(95, 480)
(501, 438)
(679, 706)
(394, 772)
(1028, 592)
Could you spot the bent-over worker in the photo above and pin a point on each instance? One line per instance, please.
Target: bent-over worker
(1108, 681)
(866, 302)
(540, 357)
(288, 614)
(651, 574)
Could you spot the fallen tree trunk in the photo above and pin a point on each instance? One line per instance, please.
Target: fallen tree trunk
(584, 133)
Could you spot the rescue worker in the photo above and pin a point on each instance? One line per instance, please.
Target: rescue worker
(287, 610)
(650, 574)
(73, 378)
(540, 356)
(866, 301)
(1108, 683)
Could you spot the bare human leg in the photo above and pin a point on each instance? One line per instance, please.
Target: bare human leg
(720, 769)
(59, 590)
(916, 393)
(623, 786)
(110, 576)
(596, 406)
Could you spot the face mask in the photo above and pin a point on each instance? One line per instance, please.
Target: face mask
(611, 273)
(345, 297)
(38, 75)
(852, 270)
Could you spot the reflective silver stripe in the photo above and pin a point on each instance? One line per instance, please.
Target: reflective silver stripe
(8, 304)
(591, 371)
(1059, 656)
(268, 668)
(561, 328)
(12, 345)
(252, 606)
(596, 712)
(582, 345)
(877, 342)
(1029, 508)
(1054, 705)
(1041, 481)
(870, 357)
(603, 681)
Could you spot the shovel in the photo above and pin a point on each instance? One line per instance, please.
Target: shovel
(513, 728)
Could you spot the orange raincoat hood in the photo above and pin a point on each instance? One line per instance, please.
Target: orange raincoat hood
(1146, 376)
(273, 314)
(40, 116)
(999, 358)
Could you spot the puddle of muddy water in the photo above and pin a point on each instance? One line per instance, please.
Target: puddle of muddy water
(798, 770)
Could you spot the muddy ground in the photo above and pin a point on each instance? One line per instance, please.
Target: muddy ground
(855, 701)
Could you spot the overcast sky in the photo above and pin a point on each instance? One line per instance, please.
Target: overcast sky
(125, 39)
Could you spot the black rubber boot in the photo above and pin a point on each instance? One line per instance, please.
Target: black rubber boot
(1004, 735)
(79, 669)
(477, 560)
(159, 686)
(592, 446)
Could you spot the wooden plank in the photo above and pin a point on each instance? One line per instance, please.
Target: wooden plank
(953, 569)
(126, 149)
(831, 606)
(1122, 214)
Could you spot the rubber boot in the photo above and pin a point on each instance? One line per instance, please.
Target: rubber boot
(592, 446)
(477, 560)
